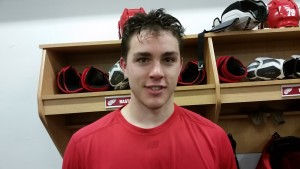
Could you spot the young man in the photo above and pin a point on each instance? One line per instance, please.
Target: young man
(151, 132)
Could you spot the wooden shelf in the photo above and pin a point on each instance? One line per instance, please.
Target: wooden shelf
(256, 35)
(251, 138)
(254, 91)
(77, 102)
(95, 101)
(223, 103)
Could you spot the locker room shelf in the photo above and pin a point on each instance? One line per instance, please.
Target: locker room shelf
(94, 101)
(223, 103)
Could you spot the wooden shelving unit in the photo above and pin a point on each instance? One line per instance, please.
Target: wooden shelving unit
(225, 104)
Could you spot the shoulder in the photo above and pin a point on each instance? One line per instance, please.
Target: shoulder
(209, 134)
(100, 125)
(85, 138)
(198, 120)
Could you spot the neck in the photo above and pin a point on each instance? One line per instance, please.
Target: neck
(145, 117)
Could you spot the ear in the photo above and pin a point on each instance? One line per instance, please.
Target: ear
(181, 62)
(123, 65)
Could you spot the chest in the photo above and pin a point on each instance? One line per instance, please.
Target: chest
(169, 149)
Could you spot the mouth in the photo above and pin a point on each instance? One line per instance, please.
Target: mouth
(155, 88)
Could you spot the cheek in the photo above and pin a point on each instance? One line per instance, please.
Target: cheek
(133, 73)
(177, 70)
(173, 75)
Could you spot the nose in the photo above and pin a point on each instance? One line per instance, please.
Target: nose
(157, 71)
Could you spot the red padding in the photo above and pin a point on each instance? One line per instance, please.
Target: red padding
(191, 75)
(230, 69)
(94, 79)
(69, 80)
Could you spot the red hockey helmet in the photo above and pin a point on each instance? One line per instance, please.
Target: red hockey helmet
(283, 13)
(127, 13)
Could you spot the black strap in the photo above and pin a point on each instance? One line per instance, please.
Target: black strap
(233, 145)
(201, 41)
(201, 47)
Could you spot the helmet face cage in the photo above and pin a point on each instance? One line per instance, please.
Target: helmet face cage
(283, 13)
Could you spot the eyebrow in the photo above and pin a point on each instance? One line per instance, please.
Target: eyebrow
(148, 54)
(171, 54)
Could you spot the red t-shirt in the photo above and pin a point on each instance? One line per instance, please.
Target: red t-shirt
(185, 141)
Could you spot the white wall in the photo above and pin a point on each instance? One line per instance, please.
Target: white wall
(24, 25)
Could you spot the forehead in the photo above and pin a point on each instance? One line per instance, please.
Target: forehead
(148, 34)
(157, 39)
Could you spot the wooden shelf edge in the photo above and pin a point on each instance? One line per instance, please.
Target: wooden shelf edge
(193, 36)
(85, 95)
(255, 91)
(246, 116)
(120, 92)
(94, 43)
(260, 83)
(94, 102)
(79, 44)
(252, 32)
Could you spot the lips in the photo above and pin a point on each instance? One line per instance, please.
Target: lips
(155, 89)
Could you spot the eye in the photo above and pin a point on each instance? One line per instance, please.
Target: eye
(169, 59)
(143, 60)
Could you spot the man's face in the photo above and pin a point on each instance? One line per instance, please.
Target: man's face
(153, 65)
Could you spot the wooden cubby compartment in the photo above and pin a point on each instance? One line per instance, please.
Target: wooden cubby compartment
(227, 104)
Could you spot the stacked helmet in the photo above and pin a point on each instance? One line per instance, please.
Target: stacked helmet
(127, 13)
(283, 13)
(250, 13)
(117, 78)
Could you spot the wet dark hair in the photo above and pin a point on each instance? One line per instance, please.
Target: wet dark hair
(154, 21)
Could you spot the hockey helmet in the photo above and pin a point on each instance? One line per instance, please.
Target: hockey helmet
(283, 13)
(127, 13)
(255, 11)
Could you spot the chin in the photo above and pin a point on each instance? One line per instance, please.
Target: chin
(156, 104)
